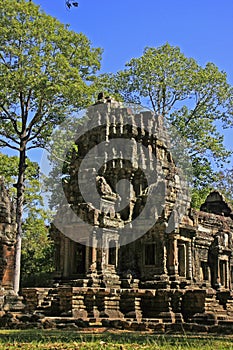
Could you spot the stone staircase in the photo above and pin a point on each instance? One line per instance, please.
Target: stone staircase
(41, 300)
(50, 304)
(212, 305)
(146, 307)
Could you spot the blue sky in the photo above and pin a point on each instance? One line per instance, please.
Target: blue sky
(203, 29)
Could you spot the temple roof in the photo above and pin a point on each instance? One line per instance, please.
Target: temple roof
(216, 203)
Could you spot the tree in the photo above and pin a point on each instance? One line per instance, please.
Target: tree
(192, 98)
(9, 170)
(37, 250)
(46, 70)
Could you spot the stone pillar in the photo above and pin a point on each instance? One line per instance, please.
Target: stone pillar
(227, 274)
(173, 258)
(164, 258)
(8, 266)
(66, 257)
(189, 260)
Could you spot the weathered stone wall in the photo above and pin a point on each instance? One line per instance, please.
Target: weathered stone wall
(203, 310)
(7, 238)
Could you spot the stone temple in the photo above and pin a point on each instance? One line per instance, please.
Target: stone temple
(196, 250)
(136, 253)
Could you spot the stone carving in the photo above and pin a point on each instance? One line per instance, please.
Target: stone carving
(103, 186)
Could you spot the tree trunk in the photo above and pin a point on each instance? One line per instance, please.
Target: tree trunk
(19, 214)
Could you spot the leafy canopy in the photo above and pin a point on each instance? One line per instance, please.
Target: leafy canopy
(45, 71)
(192, 98)
(9, 170)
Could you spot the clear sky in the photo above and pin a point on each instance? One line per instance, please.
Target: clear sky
(203, 29)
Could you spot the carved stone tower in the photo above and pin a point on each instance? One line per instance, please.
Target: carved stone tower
(112, 240)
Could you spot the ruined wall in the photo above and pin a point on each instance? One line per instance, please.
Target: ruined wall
(7, 238)
(10, 302)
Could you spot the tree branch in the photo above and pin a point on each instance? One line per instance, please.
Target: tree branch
(199, 103)
(164, 100)
(4, 133)
(38, 131)
(24, 117)
(4, 62)
(151, 99)
(28, 101)
(6, 144)
(11, 119)
(35, 118)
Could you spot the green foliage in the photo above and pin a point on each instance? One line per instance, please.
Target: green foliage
(9, 170)
(46, 70)
(192, 98)
(61, 148)
(199, 196)
(37, 251)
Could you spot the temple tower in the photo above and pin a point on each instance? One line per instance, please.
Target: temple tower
(120, 241)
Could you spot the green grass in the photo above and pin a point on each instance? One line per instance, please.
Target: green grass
(62, 340)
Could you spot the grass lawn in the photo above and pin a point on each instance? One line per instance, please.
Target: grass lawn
(61, 340)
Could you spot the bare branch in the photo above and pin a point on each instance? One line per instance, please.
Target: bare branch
(4, 133)
(6, 144)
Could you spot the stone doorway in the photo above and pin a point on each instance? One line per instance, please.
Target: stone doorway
(112, 253)
(79, 266)
(223, 273)
(182, 266)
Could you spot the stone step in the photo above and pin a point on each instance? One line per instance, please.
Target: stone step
(228, 323)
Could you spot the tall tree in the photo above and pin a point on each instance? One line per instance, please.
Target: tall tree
(46, 70)
(194, 99)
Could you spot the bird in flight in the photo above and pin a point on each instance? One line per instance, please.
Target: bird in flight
(70, 3)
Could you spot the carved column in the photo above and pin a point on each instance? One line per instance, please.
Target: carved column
(228, 274)
(173, 257)
(66, 257)
(165, 257)
(189, 260)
